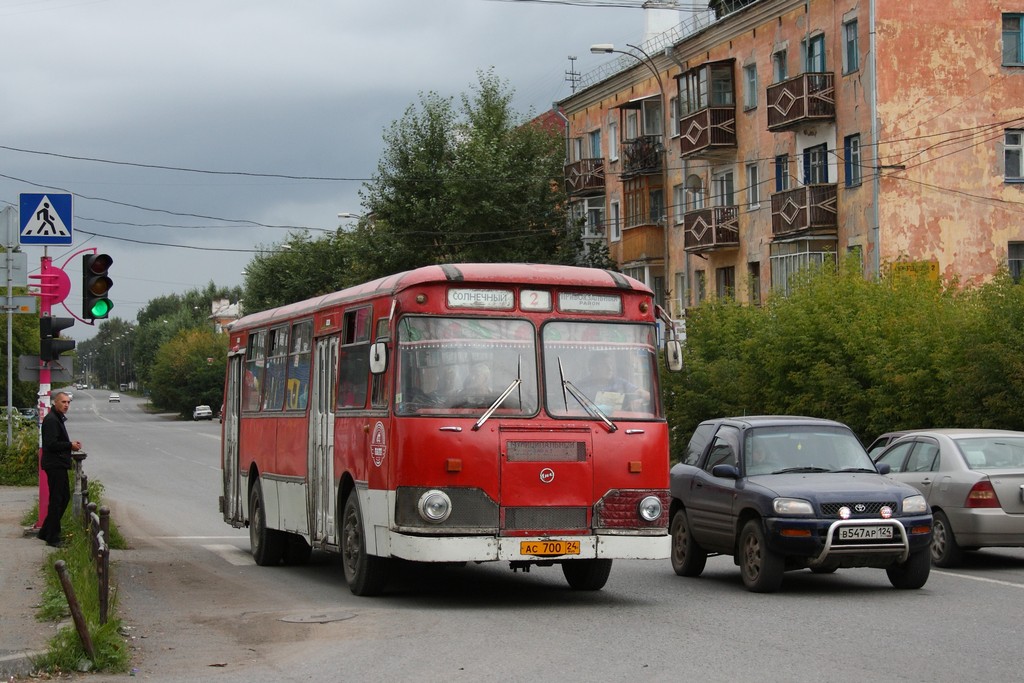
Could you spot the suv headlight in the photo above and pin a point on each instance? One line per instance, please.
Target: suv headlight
(792, 506)
(915, 504)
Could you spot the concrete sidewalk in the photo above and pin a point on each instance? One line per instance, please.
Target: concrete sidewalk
(22, 556)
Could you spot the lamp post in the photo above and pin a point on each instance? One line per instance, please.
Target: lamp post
(648, 61)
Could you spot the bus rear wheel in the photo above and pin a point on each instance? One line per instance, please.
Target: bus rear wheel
(267, 545)
(587, 575)
(366, 574)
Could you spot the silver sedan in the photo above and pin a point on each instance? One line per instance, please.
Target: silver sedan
(973, 480)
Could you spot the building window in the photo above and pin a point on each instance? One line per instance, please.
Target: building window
(682, 295)
(814, 54)
(1015, 260)
(753, 186)
(782, 173)
(1012, 157)
(694, 193)
(724, 189)
(679, 202)
(653, 118)
(725, 282)
(851, 160)
(613, 140)
(700, 286)
(851, 57)
(615, 221)
(754, 282)
(657, 204)
(673, 110)
(790, 258)
(750, 86)
(595, 145)
(577, 149)
(595, 220)
(816, 165)
(632, 125)
(779, 70)
(1013, 40)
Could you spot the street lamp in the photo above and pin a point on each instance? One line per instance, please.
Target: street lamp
(349, 214)
(648, 61)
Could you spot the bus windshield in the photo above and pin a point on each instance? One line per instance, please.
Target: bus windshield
(613, 365)
(462, 365)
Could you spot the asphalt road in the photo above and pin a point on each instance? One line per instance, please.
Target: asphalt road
(197, 608)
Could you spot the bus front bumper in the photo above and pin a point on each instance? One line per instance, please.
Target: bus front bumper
(526, 548)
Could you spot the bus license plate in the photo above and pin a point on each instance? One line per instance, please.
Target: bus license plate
(865, 533)
(549, 548)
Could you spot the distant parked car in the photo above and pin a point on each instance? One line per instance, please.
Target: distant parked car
(779, 493)
(202, 413)
(973, 480)
(30, 415)
(114, 398)
(883, 440)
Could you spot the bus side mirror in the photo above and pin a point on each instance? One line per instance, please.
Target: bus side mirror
(674, 355)
(378, 357)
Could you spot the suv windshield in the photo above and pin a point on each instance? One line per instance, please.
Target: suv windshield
(810, 448)
(462, 366)
(613, 366)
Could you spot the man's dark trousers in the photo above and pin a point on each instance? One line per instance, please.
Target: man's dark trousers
(60, 496)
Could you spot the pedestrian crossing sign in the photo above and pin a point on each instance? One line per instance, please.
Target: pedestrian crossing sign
(45, 219)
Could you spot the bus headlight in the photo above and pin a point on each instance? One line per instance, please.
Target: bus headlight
(435, 506)
(650, 508)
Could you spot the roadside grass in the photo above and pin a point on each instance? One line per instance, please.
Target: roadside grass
(66, 652)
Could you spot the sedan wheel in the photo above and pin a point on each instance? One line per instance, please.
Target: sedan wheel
(761, 568)
(946, 552)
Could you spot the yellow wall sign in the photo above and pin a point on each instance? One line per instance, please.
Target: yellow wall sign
(925, 269)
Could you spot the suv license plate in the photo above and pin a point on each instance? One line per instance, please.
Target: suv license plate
(865, 533)
(549, 548)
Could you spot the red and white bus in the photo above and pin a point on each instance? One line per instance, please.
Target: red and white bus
(450, 414)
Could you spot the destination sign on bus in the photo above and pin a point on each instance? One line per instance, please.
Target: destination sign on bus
(489, 299)
(582, 302)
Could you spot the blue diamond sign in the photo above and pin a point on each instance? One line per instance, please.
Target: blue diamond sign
(45, 219)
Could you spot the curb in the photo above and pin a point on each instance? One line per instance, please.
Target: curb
(21, 664)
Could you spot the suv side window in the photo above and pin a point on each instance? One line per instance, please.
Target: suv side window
(895, 457)
(725, 449)
(698, 442)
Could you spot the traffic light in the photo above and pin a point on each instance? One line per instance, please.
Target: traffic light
(50, 345)
(96, 286)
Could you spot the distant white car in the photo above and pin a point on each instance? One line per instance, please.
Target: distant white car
(114, 398)
(202, 413)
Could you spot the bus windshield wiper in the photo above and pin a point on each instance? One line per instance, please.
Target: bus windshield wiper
(588, 405)
(498, 401)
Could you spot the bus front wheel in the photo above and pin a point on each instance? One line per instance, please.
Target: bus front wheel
(366, 574)
(587, 575)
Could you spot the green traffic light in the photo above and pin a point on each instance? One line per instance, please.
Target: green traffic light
(100, 308)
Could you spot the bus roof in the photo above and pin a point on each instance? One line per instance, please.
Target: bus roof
(493, 273)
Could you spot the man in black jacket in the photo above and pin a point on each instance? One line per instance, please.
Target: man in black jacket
(56, 461)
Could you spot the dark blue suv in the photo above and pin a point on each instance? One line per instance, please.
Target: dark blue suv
(779, 493)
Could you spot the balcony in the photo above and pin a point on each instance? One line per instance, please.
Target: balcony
(806, 210)
(642, 243)
(808, 98)
(709, 133)
(642, 155)
(584, 177)
(710, 229)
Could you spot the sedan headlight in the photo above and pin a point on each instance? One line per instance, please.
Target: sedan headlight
(435, 506)
(650, 508)
(915, 504)
(792, 506)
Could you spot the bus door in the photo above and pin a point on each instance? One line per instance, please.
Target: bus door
(547, 478)
(320, 482)
(232, 506)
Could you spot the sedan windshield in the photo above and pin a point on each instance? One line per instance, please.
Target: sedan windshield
(811, 448)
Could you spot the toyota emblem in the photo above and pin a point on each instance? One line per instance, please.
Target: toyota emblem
(860, 507)
(547, 475)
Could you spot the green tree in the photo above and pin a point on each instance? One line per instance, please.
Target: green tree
(189, 371)
(298, 269)
(474, 183)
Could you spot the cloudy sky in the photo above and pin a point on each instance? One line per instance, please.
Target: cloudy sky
(131, 105)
